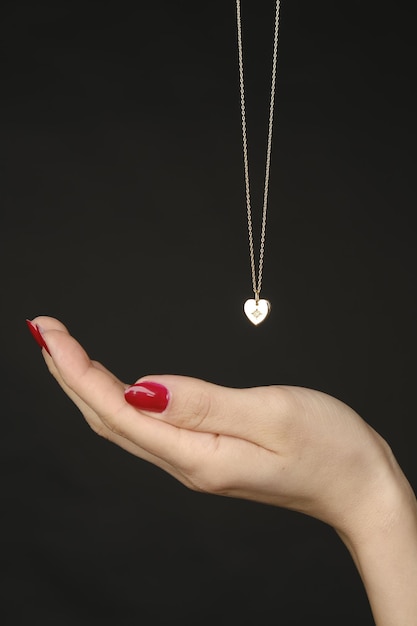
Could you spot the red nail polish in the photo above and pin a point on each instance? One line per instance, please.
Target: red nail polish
(148, 396)
(37, 335)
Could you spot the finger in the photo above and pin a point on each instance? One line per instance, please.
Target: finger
(45, 322)
(91, 417)
(182, 457)
(104, 395)
(190, 403)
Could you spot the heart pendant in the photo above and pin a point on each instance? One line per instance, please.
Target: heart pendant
(257, 312)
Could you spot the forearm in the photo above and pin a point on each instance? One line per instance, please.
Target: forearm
(385, 553)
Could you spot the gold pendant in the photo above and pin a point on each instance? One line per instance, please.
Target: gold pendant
(257, 310)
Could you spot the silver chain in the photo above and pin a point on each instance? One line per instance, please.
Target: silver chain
(257, 280)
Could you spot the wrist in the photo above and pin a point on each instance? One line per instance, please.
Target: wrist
(382, 540)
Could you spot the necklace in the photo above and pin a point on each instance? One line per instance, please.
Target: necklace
(257, 310)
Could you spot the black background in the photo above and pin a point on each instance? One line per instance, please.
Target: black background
(123, 215)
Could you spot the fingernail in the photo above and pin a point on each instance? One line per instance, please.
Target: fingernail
(37, 335)
(148, 396)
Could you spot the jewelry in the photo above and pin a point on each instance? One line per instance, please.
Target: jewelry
(257, 310)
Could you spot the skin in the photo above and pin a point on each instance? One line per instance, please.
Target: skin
(285, 446)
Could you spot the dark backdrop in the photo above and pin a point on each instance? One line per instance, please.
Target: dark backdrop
(123, 215)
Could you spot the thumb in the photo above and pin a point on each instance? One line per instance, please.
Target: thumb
(195, 404)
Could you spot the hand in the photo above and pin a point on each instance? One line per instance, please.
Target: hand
(285, 446)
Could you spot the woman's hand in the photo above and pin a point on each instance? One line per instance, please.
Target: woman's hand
(286, 446)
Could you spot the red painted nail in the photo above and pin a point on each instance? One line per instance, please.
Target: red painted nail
(148, 396)
(37, 335)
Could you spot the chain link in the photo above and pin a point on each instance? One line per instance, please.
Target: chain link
(257, 279)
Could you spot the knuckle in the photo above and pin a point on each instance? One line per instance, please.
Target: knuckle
(107, 430)
(214, 484)
(96, 424)
(197, 409)
(209, 479)
(283, 403)
(98, 428)
(282, 398)
(113, 425)
(199, 484)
